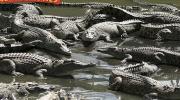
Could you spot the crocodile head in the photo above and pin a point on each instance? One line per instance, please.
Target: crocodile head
(114, 51)
(59, 47)
(62, 66)
(90, 35)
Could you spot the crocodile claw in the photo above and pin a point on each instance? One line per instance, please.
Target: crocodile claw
(17, 74)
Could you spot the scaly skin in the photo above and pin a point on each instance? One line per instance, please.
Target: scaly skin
(140, 68)
(16, 48)
(107, 30)
(46, 21)
(122, 14)
(70, 29)
(11, 90)
(147, 54)
(161, 7)
(50, 21)
(27, 63)
(161, 32)
(37, 36)
(141, 85)
(94, 5)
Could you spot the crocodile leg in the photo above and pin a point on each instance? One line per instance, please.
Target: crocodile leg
(116, 84)
(68, 43)
(162, 34)
(40, 72)
(6, 42)
(72, 36)
(106, 38)
(8, 66)
(35, 43)
(15, 36)
(159, 56)
(128, 57)
(123, 30)
(80, 28)
(150, 96)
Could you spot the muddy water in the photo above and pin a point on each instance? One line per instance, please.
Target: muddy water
(96, 79)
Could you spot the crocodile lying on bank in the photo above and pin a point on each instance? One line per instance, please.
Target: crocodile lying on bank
(122, 14)
(49, 21)
(70, 29)
(147, 54)
(142, 85)
(160, 32)
(140, 68)
(37, 36)
(11, 90)
(27, 63)
(107, 30)
(46, 21)
(161, 7)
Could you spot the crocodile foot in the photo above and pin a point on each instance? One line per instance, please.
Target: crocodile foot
(17, 74)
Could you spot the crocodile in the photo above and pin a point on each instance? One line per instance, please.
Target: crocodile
(139, 68)
(49, 21)
(14, 48)
(9, 91)
(122, 14)
(160, 32)
(107, 30)
(28, 63)
(70, 29)
(94, 5)
(158, 7)
(142, 85)
(148, 54)
(37, 36)
(19, 8)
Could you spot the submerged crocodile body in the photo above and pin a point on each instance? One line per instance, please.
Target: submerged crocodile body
(161, 32)
(142, 85)
(11, 90)
(107, 30)
(27, 63)
(161, 7)
(147, 54)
